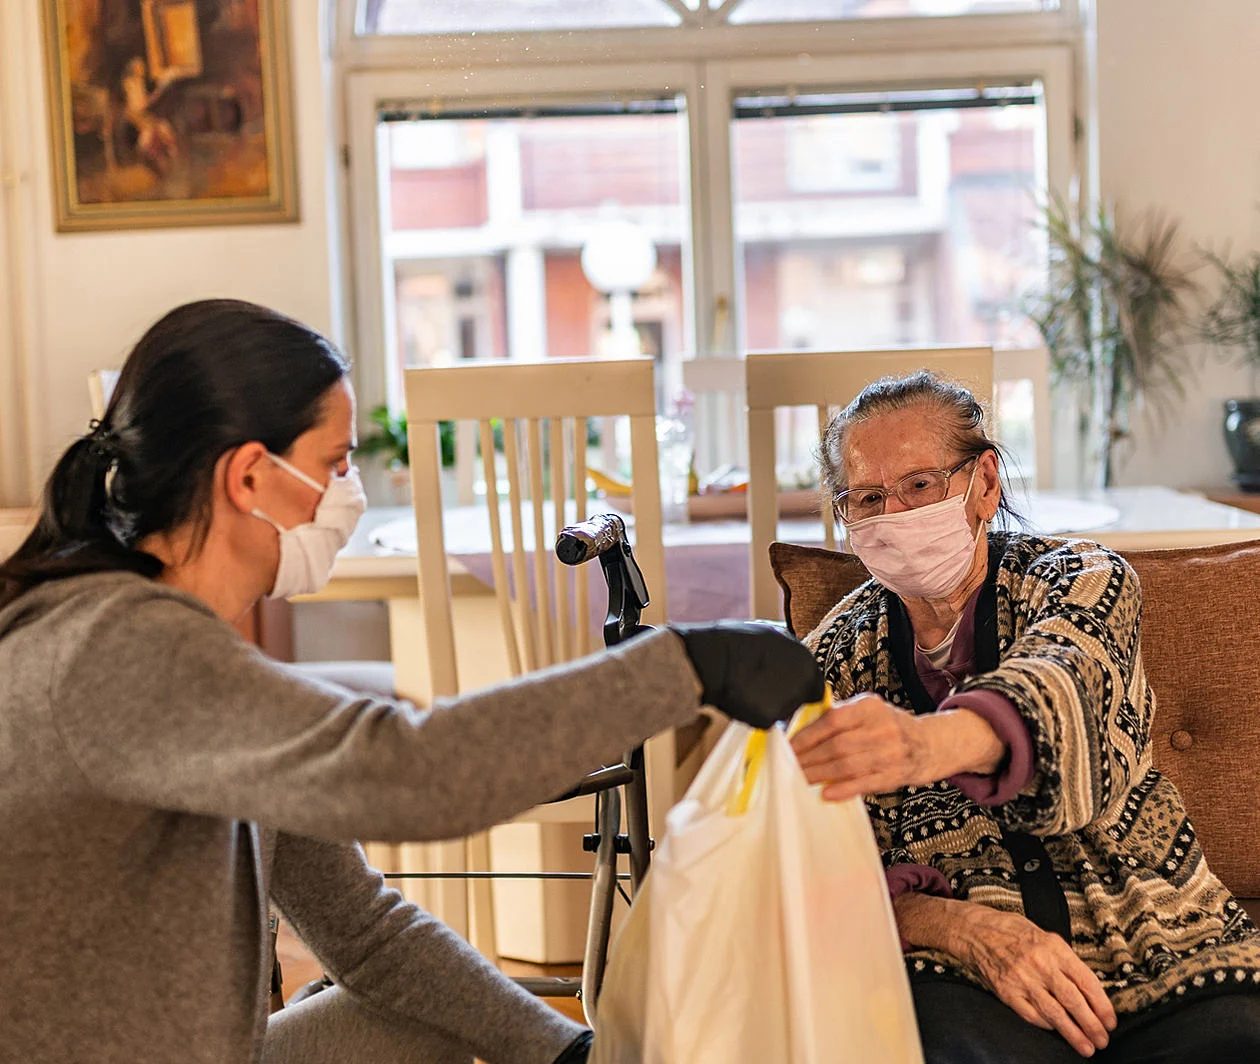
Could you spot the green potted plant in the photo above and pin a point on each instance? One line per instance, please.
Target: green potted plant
(1112, 315)
(388, 441)
(1232, 322)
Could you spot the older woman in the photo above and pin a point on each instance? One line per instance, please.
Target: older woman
(1048, 887)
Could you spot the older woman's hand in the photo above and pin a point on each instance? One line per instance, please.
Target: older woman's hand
(1038, 974)
(1033, 972)
(862, 746)
(866, 745)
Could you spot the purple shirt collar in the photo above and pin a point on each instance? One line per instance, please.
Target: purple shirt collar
(962, 656)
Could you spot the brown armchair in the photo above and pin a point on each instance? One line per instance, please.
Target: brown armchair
(1201, 649)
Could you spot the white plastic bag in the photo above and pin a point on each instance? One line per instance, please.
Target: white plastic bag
(763, 933)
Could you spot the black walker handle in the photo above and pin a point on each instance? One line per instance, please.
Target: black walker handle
(604, 537)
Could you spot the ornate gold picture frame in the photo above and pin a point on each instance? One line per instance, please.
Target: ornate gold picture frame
(169, 112)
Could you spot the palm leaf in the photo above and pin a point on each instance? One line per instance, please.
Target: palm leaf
(1113, 312)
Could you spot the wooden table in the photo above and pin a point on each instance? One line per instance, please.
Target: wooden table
(1232, 496)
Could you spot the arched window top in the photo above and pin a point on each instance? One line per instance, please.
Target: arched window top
(423, 17)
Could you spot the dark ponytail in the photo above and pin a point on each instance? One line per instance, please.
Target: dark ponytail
(205, 379)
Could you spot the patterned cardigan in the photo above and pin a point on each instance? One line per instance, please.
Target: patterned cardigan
(1145, 913)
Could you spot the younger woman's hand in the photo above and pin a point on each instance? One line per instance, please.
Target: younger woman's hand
(1037, 974)
(752, 672)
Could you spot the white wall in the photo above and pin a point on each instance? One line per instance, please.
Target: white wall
(90, 296)
(1177, 91)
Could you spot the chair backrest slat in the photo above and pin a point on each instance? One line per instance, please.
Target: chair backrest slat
(563, 574)
(542, 549)
(582, 603)
(520, 564)
(828, 518)
(425, 447)
(498, 558)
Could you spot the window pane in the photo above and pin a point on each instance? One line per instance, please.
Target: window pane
(880, 229)
(888, 228)
(462, 16)
(488, 222)
(822, 10)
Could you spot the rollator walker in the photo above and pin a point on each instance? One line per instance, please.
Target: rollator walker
(623, 785)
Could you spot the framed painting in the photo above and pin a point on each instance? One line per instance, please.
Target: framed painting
(169, 112)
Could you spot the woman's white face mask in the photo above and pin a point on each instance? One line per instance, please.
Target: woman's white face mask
(308, 551)
(921, 553)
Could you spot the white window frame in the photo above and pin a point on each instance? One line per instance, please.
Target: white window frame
(1052, 65)
(704, 34)
(366, 92)
(707, 61)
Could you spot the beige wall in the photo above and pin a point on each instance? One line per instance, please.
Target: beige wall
(1177, 92)
(86, 298)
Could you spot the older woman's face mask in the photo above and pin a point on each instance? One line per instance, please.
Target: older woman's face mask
(921, 553)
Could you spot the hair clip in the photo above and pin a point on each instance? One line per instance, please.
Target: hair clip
(104, 442)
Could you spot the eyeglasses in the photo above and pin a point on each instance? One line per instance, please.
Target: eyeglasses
(923, 488)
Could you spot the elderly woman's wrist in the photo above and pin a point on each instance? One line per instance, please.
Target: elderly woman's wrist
(948, 925)
(923, 920)
(959, 741)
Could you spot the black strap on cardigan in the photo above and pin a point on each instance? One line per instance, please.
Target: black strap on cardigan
(1045, 904)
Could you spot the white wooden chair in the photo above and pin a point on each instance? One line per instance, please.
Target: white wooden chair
(101, 384)
(826, 380)
(1033, 365)
(718, 386)
(549, 400)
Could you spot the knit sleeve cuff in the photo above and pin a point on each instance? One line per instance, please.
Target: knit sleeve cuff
(1016, 769)
(917, 878)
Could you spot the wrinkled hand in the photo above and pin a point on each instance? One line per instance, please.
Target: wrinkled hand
(1038, 974)
(863, 746)
(751, 672)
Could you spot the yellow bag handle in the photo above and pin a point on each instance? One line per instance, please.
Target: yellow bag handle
(755, 752)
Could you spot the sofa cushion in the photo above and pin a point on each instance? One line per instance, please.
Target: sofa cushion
(1201, 649)
(813, 580)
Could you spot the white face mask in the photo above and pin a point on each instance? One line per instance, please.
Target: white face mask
(307, 552)
(920, 553)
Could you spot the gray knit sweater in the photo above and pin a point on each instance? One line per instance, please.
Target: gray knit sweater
(159, 778)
